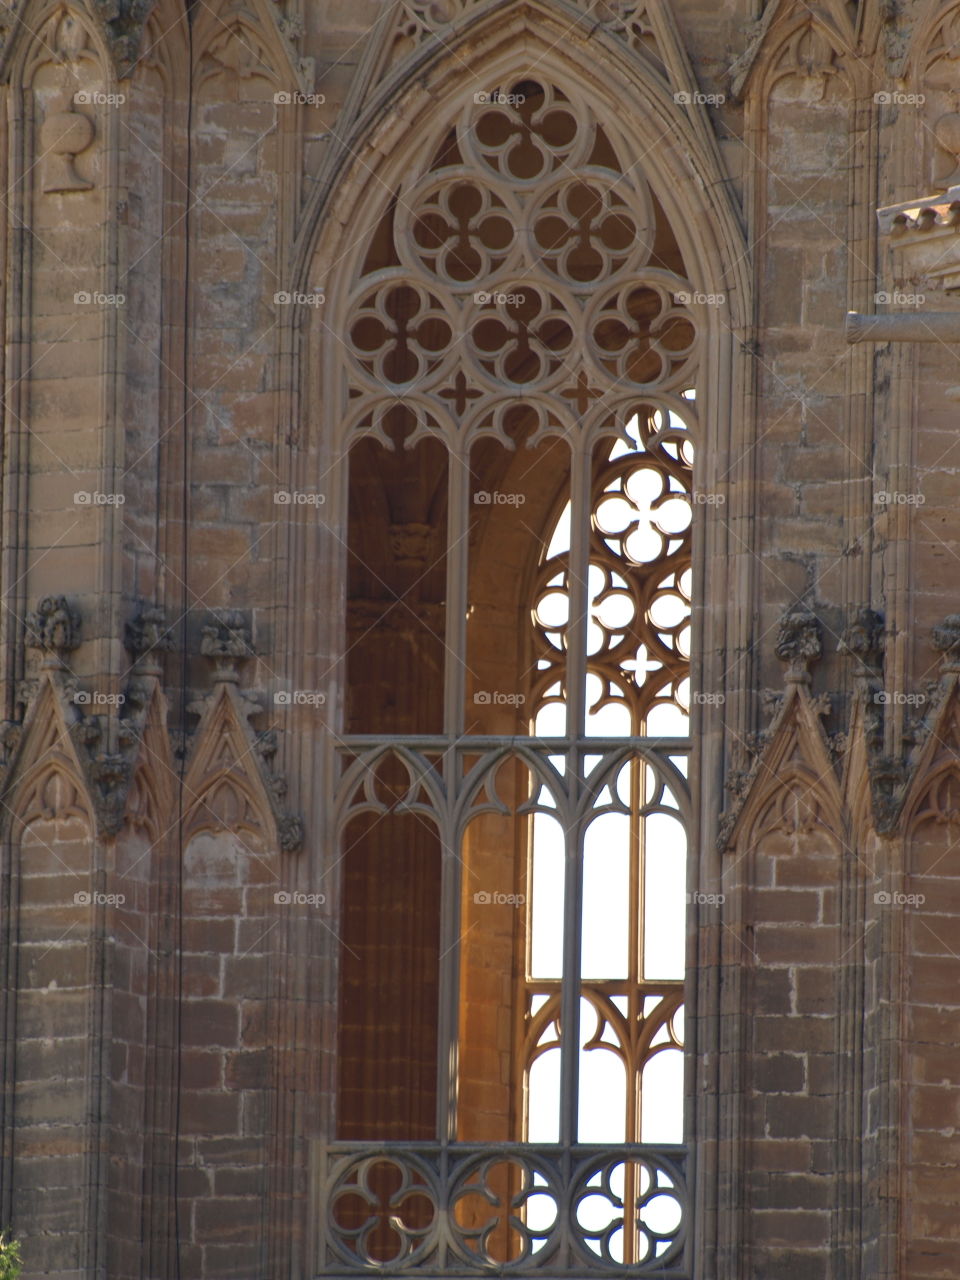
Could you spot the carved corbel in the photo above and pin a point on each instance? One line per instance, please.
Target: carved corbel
(227, 641)
(147, 637)
(110, 773)
(888, 781)
(863, 641)
(53, 628)
(799, 644)
(411, 544)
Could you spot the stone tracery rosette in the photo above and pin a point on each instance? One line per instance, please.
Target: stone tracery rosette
(531, 197)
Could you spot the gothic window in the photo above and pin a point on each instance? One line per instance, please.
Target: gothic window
(517, 377)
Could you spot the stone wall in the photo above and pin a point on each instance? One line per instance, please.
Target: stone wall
(185, 190)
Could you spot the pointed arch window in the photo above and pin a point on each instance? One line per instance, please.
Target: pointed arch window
(517, 383)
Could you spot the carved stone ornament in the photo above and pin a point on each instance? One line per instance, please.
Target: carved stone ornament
(54, 629)
(146, 637)
(110, 774)
(122, 22)
(863, 640)
(888, 779)
(63, 135)
(238, 50)
(65, 131)
(419, 22)
(410, 544)
(290, 830)
(946, 640)
(799, 644)
(226, 640)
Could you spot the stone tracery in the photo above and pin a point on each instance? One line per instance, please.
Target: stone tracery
(532, 198)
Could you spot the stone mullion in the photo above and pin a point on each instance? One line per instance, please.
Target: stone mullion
(458, 577)
(162, 1020)
(297, 1052)
(896, 423)
(16, 247)
(17, 254)
(9, 959)
(109, 664)
(171, 1224)
(898, 556)
(724, 991)
(577, 589)
(99, 1046)
(162, 1048)
(719, 654)
(107, 669)
(111, 661)
(857, 575)
(892, 1110)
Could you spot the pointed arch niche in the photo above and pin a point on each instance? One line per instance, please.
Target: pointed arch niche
(518, 386)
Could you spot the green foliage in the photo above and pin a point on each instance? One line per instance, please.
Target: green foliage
(10, 1265)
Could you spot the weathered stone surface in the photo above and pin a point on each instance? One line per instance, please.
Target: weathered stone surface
(174, 535)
